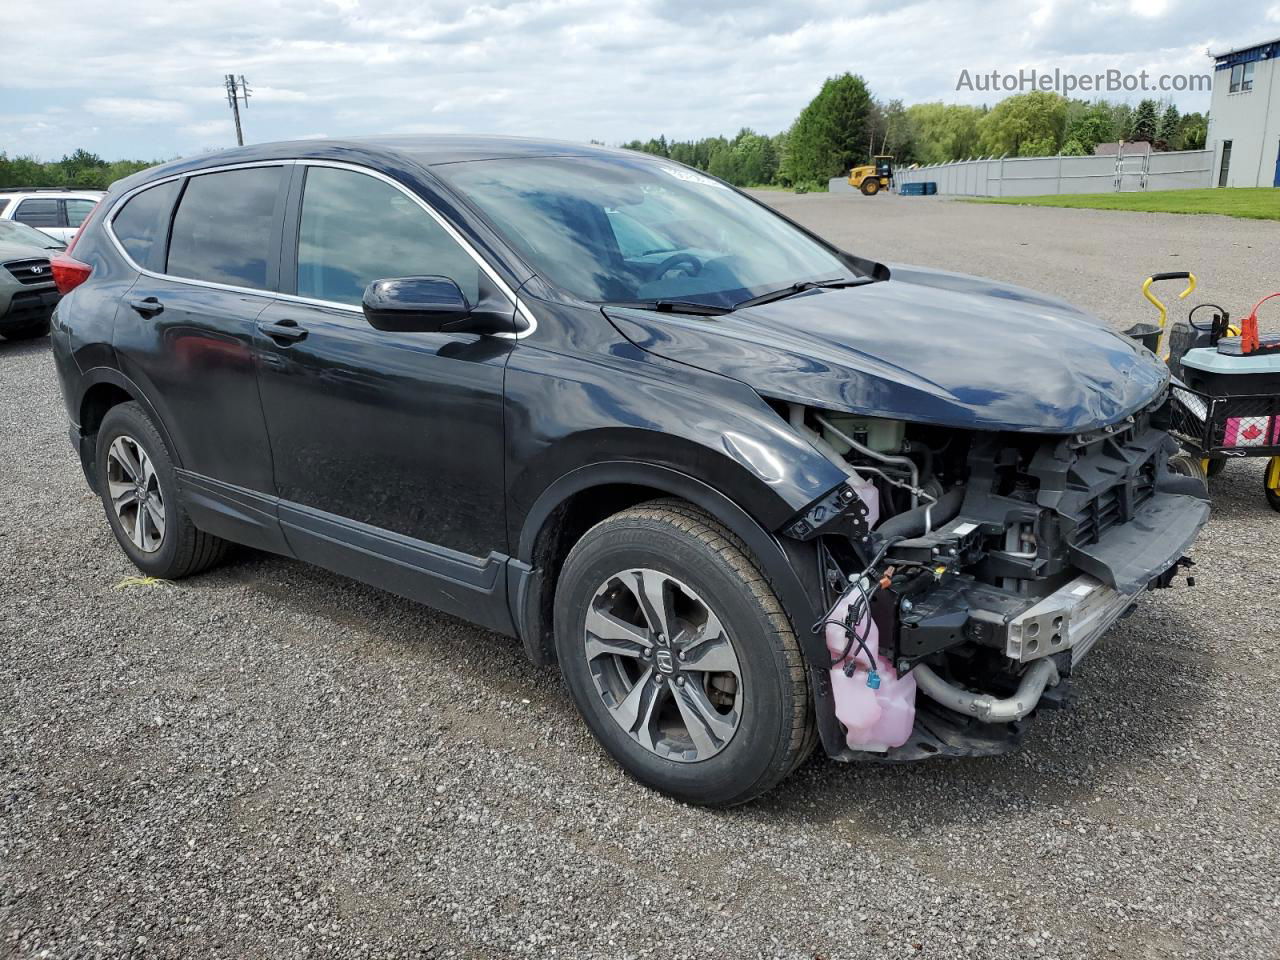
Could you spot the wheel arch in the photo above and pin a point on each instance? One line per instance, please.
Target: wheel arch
(104, 388)
(581, 498)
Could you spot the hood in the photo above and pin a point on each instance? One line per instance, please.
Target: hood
(25, 251)
(924, 346)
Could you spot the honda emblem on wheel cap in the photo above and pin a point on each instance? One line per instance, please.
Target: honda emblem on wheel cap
(664, 661)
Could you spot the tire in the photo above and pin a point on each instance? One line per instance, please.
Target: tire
(1189, 466)
(1214, 466)
(719, 611)
(870, 186)
(1271, 481)
(168, 546)
(30, 332)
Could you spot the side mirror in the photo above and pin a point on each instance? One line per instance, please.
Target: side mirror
(414, 304)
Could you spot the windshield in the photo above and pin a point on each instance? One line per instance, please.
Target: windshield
(614, 229)
(13, 232)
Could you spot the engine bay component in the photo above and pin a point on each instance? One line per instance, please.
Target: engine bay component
(1072, 618)
(875, 703)
(992, 564)
(984, 706)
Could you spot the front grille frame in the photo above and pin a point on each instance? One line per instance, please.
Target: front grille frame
(31, 271)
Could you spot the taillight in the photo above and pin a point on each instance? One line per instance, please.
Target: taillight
(68, 273)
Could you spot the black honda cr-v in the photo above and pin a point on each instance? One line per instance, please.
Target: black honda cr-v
(749, 491)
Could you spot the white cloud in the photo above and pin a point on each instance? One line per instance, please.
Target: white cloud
(148, 74)
(136, 110)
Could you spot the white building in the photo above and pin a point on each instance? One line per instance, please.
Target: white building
(1244, 117)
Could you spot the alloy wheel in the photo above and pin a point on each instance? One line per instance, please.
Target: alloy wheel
(663, 665)
(135, 493)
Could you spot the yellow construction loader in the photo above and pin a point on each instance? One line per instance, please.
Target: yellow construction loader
(872, 177)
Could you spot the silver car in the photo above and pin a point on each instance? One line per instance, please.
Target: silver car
(27, 291)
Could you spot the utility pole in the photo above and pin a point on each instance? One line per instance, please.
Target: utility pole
(237, 91)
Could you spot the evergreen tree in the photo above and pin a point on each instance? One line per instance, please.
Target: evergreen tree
(830, 135)
(1144, 122)
(1170, 127)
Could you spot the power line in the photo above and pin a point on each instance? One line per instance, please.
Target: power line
(237, 90)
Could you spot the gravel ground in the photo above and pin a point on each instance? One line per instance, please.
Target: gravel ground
(271, 761)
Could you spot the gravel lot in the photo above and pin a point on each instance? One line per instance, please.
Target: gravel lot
(270, 761)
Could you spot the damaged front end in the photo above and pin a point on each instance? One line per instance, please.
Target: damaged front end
(967, 573)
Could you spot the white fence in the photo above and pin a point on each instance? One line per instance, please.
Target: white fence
(1035, 176)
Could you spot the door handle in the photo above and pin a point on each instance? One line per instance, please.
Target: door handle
(286, 330)
(148, 306)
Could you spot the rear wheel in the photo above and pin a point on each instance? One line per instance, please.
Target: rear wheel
(679, 657)
(1272, 482)
(870, 186)
(1213, 465)
(139, 491)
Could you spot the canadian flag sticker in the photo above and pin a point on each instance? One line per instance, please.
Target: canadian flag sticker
(1247, 431)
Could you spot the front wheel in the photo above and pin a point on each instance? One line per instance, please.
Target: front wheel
(679, 656)
(1272, 482)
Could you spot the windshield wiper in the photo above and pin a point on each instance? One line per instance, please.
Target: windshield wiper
(801, 287)
(673, 306)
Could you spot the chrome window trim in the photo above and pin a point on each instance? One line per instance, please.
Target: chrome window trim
(108, 225)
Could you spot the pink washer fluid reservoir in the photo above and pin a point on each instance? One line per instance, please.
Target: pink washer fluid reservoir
(879, 715)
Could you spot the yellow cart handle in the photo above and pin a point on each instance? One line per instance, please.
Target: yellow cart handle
(1164, 312)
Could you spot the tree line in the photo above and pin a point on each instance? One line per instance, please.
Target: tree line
(78, 169)
(844, 126)
(841, 127)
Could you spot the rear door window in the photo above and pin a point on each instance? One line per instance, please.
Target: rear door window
(143, 222)
(39, 212)
(225, 228)
(356, 229)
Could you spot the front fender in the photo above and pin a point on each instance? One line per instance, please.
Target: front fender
(790, 566)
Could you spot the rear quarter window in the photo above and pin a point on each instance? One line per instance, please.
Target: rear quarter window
(78, 210)
(223, 230)
(143, 222)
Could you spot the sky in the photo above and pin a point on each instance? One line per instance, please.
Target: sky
(141, 79)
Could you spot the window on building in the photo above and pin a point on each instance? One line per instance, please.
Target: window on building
(223, 229)
(1226, 163)
(1242, 77)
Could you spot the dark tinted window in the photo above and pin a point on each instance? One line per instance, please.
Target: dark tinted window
(223, 228)
(3, 204)
(141, 224)
(356, 229)
(77, 210)
(39, 212)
